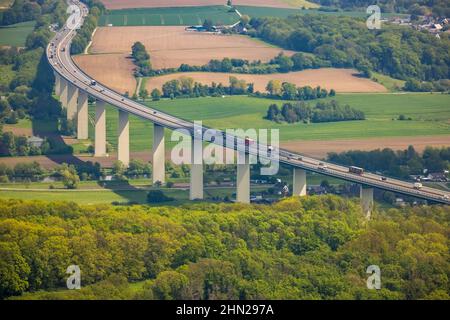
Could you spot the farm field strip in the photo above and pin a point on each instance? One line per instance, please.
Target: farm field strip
(341, 80)
(16, 34)
(169, 47)
(125, 4)
(168, 16)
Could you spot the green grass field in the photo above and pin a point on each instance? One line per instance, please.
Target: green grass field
(86, 196)
(16, 34)
(430, 115)
(179, 16)
(169, 16)
(258, 12)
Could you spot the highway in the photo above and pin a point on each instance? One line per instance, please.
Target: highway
(58, 54)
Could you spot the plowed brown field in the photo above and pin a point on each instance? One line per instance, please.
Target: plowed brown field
(169, 47)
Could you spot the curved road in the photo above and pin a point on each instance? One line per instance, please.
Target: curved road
(58, 54)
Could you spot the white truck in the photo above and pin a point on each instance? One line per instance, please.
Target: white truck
(418, 185)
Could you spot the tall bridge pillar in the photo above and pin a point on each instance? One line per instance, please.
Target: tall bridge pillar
(299, 182)
(158, 161)
(243, 181)
(57, 84)
(100, 129)
(82, 116)
(366, 195)
(72, 97)
(63, 88)
(123, 135)
(196, 179)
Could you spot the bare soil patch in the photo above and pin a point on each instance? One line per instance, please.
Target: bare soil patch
(18, 131)
(341, 80)
(113, 70)
(124, 4)
(169, 47)
(320, 149)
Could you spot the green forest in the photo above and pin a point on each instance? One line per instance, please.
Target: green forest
(309, 248)
(399, 52)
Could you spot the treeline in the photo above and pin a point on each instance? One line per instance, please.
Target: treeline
(399, 52)
(322, 112)
(289, 91)
(281, 63)
(188, 87)
(141, 60)
(399, 164)
(440, 8)
(33, 171)
(11, 145)
(427, 86)
(84, 34)
(310, 248)
(26, 10)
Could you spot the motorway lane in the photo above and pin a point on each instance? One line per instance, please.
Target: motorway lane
(64, 65)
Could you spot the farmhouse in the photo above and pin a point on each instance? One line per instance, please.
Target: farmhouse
(203, 29)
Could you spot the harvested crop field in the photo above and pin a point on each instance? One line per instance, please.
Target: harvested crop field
(341, 80)
(169, 47)
(125, 4)
(320, 149)
(114, 70)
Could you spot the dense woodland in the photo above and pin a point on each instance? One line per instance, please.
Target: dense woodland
(400, 52)
(313, 248)
(396, 163)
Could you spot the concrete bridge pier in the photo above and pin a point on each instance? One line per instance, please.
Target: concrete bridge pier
(158, 157)
(63, 88)
(196, 178)
(72, 98)
(100, 129)
(366, 195)
(243, 180)
(299, 182)
(123, 135)
(57, 84)
(82, 116)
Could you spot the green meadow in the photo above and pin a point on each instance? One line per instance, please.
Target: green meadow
(15, 34)
(175, 16)
(430, 114)
(258, 12)
(183, 16)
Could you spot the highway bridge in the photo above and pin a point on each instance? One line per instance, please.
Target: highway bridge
(73, 87)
